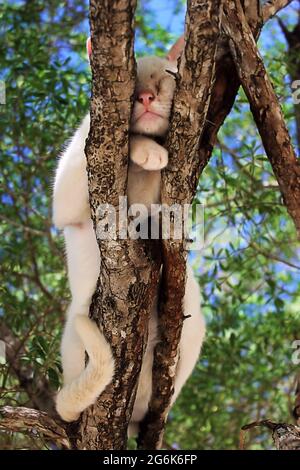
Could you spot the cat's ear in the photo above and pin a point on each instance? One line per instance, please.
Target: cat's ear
(176, 50)
(89, 46)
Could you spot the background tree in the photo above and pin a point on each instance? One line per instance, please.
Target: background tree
(248, 269)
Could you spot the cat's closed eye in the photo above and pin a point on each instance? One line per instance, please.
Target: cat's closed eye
(164, 83)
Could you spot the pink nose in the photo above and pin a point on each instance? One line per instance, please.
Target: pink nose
(146, 98)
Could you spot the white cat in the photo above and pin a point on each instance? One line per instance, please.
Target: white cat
(71, 212)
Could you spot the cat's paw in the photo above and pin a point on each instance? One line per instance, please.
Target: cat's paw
(150, 157)
(156, 159)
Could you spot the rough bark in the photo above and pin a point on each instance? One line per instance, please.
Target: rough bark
(253, 12)
(36, 423)
(129, 271)
(285, 436)
(265, 108)
(179, 182)
(227, 81)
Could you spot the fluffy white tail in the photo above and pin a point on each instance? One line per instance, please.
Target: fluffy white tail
(82, 392)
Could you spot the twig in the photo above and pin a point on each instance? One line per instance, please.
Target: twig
(273, 256)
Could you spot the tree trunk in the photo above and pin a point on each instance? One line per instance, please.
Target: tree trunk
(129, 271)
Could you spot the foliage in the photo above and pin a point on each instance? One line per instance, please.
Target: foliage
(248, 269)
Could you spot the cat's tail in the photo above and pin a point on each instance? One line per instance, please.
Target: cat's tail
(82, 392)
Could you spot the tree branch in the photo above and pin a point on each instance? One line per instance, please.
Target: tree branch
(179, 182)
(27, 420)
(265, 108)
(272, 7)
(285, 436)
(225, 89)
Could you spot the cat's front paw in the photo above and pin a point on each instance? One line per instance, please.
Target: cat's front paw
(150, 157)
(156, 159)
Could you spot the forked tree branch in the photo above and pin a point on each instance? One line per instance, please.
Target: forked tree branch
(179, 182)
(265, 108)
(223, 96)
(227, 82)
(33, 422)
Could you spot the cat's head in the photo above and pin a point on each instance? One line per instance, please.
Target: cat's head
(154, 91)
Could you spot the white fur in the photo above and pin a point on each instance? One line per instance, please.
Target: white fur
(83, 384)
(83, 389)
